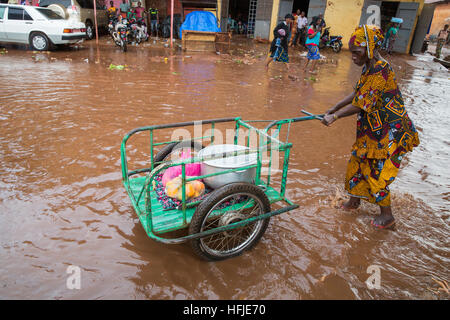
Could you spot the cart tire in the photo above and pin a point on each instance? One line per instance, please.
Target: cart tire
(217, 247)
(169, 148)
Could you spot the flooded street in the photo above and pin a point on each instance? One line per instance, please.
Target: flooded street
(62, 202)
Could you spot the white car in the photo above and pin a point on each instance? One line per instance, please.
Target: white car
(39, 27)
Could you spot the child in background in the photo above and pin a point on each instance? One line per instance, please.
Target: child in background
(312, 44)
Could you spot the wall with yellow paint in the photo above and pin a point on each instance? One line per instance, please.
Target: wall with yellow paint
(219, 12)
(441, 14)
(343, 17)
(274, 19)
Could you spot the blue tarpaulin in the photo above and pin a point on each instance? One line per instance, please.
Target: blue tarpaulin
(200, 21)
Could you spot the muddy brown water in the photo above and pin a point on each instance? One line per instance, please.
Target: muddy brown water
(62, 202)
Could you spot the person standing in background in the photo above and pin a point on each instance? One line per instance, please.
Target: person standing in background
(302, 22)
(112, 10)
(442, 39)
(124, 8)
(389, 38)
(294, 28)
(154, 18)
(312, 43)
(139, 11)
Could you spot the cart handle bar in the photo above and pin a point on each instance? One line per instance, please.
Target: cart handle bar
(228, 227)
(310, 117)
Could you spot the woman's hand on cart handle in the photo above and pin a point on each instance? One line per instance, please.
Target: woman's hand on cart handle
(329, 118)
(346, 111)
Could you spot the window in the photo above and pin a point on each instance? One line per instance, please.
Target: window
(15, 13)
(82, 3)
(49, 14)
(2, 12)
(18, 14)
(26, 16)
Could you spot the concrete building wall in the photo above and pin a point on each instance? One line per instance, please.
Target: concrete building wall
(263, 18)
(343, 16)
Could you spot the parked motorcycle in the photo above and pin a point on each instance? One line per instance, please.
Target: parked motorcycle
(138, 30)
(333, 42)
(112, 30)
(119, 31)
(122, 30)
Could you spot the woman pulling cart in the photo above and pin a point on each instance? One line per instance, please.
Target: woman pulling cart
(384, 133)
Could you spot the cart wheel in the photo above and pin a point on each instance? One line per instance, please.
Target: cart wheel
(231, 203)
(167, 150)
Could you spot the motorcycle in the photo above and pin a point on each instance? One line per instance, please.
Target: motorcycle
(112, 30)
(333, 42)
(138, 30)
(122, 30)
(119, 31)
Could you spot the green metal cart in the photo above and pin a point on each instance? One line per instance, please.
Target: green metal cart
(228, 220)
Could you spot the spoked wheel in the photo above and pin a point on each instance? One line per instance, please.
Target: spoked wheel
(231, 203)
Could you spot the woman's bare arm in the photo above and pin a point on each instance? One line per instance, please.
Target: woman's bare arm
(344, 102)
(346, 111)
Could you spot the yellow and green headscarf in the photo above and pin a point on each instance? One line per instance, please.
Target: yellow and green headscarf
(367, 36)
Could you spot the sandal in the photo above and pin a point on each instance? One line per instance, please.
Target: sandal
(389, 224)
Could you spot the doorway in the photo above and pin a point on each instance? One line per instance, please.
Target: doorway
(238, 10)
(303, 5)
(388, 10)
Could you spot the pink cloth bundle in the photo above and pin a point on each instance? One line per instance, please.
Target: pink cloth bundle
(192, 170)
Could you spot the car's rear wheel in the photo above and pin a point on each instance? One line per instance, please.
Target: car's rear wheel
(39, 41)
(89, 30)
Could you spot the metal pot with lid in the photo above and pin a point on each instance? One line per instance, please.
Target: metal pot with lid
(226, 163)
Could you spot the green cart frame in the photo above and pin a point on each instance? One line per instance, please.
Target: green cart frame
(230, 219)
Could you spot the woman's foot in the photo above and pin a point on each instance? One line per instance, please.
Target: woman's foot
(351, 204)
(383, 222)
(385, 219)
